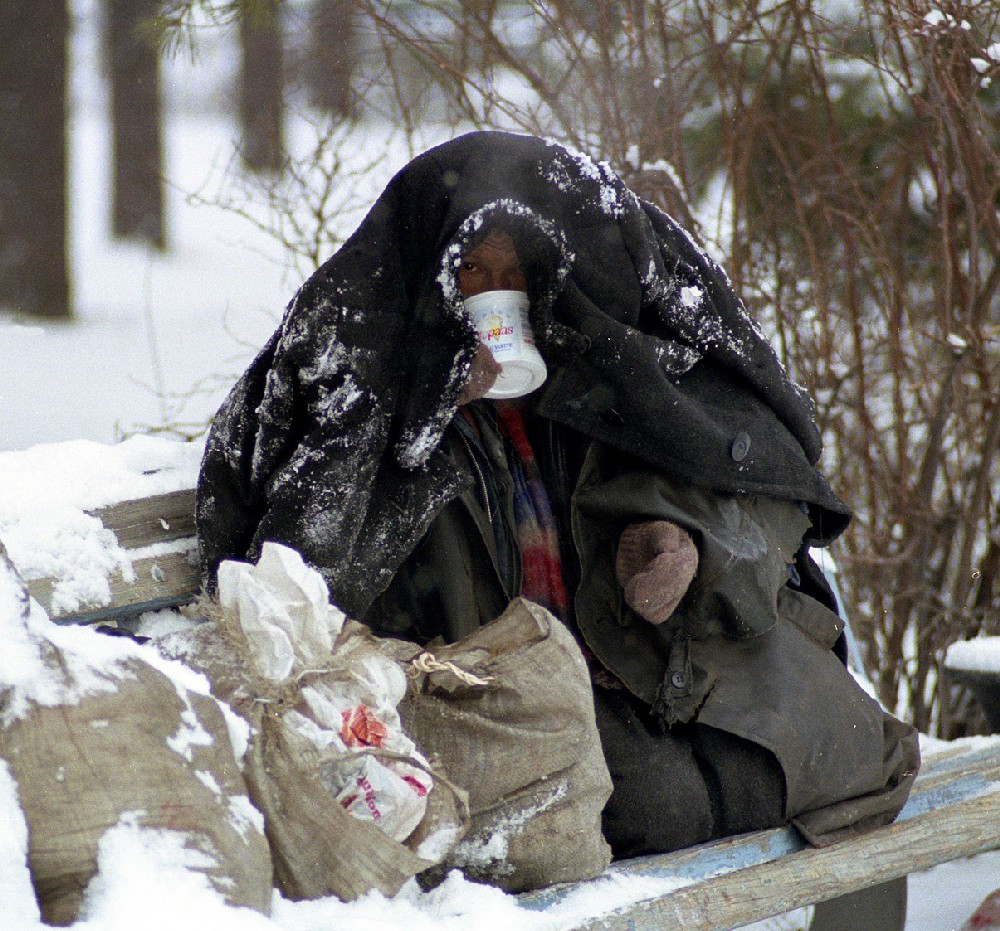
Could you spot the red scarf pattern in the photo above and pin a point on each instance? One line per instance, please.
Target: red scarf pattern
(535, 525)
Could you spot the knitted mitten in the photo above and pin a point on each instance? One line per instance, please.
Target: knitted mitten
(655, 565)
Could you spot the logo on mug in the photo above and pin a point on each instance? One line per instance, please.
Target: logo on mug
(493, 328)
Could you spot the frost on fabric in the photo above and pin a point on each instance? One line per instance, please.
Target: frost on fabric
(330, 374)
(239, 732)
(686, 307)
(567, 165)
(435, 846)
(274, 413)
(707, 331)
(44, 664)
(673, 358)
(328, 363)
(332, 405)
(691, 297)
(185, 679)
(190, 733)
(312, 372)
(420, 447)
(340, 450)
(247, 820)
(488, 848)
(209, 782)
(46, 491)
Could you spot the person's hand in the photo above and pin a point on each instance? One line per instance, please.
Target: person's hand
(485, 371)
(655, 565)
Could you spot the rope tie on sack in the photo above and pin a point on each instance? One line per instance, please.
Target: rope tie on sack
(427, 662)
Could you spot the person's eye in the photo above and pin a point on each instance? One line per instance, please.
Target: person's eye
(470, 267)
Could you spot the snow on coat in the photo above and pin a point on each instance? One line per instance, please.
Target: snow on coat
(330, 442)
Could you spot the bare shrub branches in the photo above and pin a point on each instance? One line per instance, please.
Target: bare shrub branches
(860, 173)
(847, 172)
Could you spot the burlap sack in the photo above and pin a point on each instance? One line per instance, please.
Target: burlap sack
(524, 745)
(143, 748)
(318, 848)
(510, 721)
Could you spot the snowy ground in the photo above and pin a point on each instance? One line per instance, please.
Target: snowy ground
(149, 329)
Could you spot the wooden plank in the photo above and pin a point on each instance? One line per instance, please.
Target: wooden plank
(161, 581)
(947, 778)
(959, 757)
(693, 864)
(145, 521)
(817, 875)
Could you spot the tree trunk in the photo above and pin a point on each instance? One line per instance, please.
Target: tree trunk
(261, 82)
(34, 276)
(332, 56)
(137, 199)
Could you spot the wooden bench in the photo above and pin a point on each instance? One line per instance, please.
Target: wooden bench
(953, 812)
(159, 536)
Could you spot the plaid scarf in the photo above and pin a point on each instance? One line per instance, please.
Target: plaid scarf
(535, 526)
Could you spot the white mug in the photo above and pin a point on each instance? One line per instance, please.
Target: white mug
(501, 320)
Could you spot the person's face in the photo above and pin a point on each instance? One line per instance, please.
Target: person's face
(491, 266)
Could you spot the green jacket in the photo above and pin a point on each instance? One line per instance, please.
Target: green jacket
(744, 652)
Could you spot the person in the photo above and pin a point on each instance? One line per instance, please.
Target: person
(658, 492)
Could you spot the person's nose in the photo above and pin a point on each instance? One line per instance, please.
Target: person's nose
(504, 279)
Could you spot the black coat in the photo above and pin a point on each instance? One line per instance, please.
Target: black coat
(330, 442)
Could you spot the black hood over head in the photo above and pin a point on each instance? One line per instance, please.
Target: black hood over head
(649, 350)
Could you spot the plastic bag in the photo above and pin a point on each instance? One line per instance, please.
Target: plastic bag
(281, 608)
(350, 804)
(355, 724)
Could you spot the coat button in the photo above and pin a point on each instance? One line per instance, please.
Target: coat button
(740, 447)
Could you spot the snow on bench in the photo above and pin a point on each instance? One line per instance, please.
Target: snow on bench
(976, 665)
(102, 533)
(97, 530)
(161, 560)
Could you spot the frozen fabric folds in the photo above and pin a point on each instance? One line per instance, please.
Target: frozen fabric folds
(330, 443)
